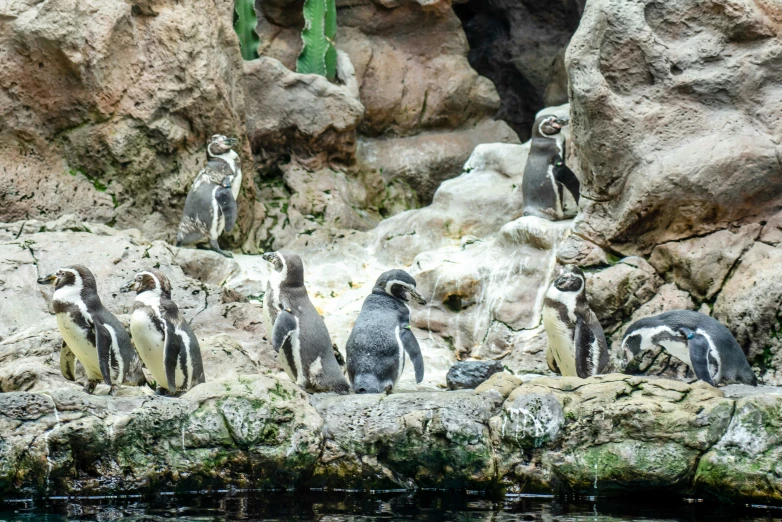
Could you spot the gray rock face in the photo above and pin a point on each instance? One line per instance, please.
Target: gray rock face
(675, 118)
(470, 374)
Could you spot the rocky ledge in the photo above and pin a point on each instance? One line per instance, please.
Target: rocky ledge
(601, 436)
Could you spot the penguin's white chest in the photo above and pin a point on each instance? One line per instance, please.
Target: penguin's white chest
(560, 342)
(149, 344)
(82, 347)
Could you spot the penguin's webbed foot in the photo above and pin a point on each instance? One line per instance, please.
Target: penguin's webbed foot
(164, 392)
(214, 246)
(113, 390)
(90, 387)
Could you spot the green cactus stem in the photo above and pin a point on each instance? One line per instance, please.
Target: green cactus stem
(318, 54)
(244, 24)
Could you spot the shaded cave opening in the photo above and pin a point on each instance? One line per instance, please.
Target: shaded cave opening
(520, 46)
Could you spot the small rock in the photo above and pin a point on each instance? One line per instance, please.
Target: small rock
(503, 382)
(469, 374)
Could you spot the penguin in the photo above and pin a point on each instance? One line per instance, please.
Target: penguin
(210, 207)
(163, 339)
(298, 332)
(91, 334)
(381, 336)
(545, 173)
(701, 342)
(576, 342)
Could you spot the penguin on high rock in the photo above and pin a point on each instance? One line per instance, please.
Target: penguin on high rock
(381, 336)
(162, 336)
(298, 332)
(701, 342)
(545, 173)
(576, 342)
(210, 208)
(91, 333)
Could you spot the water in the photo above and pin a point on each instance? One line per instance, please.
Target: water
(353, 507)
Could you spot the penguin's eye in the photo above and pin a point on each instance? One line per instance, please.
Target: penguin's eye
(138, 277)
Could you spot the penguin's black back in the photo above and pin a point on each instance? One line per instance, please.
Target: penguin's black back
(537, 190)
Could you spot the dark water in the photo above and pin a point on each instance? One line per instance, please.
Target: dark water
(422, 506)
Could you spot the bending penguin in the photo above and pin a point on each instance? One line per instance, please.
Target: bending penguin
(298, 332)
(162, 336)
(545, 173)
(91, 333)
(699, 341)
(576, 342)
(381, 336)
(210, 208)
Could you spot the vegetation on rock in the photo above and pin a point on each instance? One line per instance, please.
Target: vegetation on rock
(318, 55)
(244, 24)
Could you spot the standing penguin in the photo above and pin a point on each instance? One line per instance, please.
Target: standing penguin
(162, 337)
(699, 341)
(545, 173)
(210, 207)
(381, 336)
(576, 342)
(298, 332)
(91, 333)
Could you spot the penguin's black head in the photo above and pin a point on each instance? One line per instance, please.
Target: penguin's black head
(571, 279)
(399, 284)
(219, 144)
(547, 125)
(288, 264)
(149, 281)
(74, 275)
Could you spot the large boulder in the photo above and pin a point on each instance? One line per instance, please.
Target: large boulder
(675, 112)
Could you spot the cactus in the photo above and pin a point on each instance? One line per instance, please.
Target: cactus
(244, 25)
(318, 55)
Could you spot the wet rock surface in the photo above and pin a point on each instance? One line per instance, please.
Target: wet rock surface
(470, 374)
(605, 435)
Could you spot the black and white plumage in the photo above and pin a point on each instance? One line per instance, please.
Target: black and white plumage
(576, 342)
(298, 332)
(91, 334)
(381, 336)
(163, 338)
(210, 208)
(545, 173)
(699, 341)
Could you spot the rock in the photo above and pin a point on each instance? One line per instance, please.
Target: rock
(427, 159)
(743, 464)
(582, 252)
(502, 382)
(700, 265)
(749, 306)
(107, 107)
(617, 291)
(520, 47)
(300, 114)
(262, 429)
(608, 433)
(470, 374)
(406, 440)
(675, 119)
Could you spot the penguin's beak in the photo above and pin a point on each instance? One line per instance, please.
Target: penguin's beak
(268, 256)
(48, 280)
(415, 295)
(563, 121)
(130, 286)
(227, 182)
(231, 142)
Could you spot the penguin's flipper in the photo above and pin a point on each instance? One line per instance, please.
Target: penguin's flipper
(699, 355)
(225, 199)
(67, 362)
(103, 344)
(171, 351)
(284, 325)
(587, 345)
(410, 345)
(565, 176)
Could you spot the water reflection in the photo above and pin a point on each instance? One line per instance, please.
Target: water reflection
(422, 506)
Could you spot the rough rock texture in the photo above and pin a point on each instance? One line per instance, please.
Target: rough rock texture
(520, 46)
(607, 435)
(106, 106)
(470, 374)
